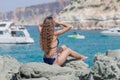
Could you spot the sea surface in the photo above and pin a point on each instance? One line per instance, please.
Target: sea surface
(93, 43)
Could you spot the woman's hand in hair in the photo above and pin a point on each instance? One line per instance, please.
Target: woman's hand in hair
(40, 27)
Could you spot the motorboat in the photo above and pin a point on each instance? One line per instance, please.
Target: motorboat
(11, 33)
(77, 36)
(114, 31)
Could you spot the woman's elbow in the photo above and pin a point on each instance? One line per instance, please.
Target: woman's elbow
(70, 27)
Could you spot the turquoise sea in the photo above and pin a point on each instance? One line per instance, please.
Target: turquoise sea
(92, 44)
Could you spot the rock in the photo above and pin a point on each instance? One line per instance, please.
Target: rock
(81, 69)
(36, 79)
(66, 77)
(113, 53)
(77, 65)
(105, 68)
(8, 67)
(53, 72)
(38, 70)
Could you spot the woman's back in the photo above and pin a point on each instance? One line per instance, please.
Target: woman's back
(53, 47)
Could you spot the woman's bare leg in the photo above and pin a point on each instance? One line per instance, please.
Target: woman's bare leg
(67, 52)
(62, 57)
(74, 53)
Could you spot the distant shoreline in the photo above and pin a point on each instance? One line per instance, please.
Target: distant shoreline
(87, 24)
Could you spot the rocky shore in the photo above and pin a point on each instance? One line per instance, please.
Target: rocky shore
(105, 67)
(94, 24)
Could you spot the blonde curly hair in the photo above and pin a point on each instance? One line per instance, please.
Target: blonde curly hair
(46, 35)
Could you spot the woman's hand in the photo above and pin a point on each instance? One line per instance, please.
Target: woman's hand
(40, 27)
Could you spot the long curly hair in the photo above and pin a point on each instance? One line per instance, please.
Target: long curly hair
(46, 35)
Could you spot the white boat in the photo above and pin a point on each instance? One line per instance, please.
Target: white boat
(11, 33)
(111, 32)
(77, 36)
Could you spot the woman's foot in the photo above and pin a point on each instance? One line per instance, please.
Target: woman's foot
(83, 57)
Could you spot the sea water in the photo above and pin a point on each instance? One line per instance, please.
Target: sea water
(93, 43)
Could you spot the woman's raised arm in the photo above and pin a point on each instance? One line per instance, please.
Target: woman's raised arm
(66, 27)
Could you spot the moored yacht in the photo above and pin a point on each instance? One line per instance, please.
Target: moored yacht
(114, 31)
(11, 33)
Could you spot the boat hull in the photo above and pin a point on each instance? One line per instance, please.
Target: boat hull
(16, 40)
(108, 33)
(77, 36)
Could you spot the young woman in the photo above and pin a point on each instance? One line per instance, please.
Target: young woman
(49, 42)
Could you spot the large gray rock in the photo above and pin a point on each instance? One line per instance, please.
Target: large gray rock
(81, 69)
(8, 67)
(38, 70)
(105, 68)
(53, 72)
(64, 77)
(36, 79)
(113, 53)
(77, 65)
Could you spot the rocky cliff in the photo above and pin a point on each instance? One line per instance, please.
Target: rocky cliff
(92, 14)
(32, 15)
(82, 14)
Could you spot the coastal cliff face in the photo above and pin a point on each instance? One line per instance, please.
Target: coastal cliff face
(92, 14)
(32, 15)
(82, 14)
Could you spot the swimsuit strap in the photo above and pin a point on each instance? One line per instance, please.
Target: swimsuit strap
(58, 41)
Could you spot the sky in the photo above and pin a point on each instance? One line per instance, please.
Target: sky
(9, 5)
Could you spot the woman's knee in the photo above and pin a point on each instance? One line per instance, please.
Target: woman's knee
(62, 57)
(66, 52)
